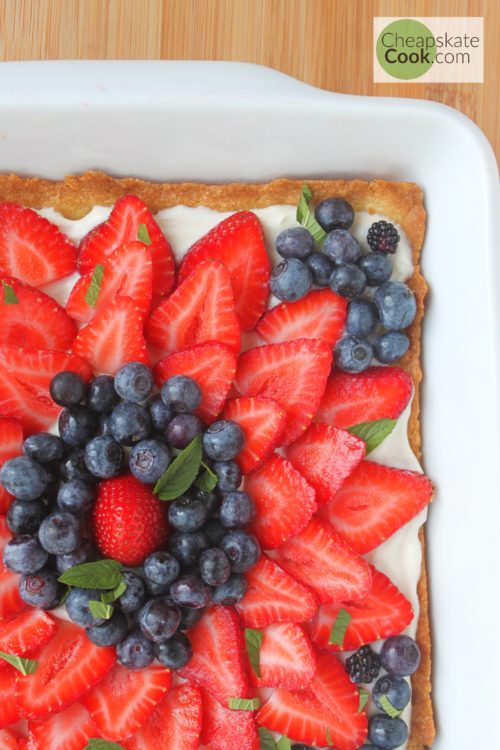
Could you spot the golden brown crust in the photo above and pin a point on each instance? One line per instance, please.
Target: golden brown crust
(402, 202)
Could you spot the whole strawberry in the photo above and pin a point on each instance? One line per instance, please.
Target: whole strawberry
(129, 521)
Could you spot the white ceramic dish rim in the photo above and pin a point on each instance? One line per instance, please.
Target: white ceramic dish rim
(217, 122)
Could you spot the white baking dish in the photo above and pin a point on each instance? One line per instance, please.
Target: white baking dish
(230, 121)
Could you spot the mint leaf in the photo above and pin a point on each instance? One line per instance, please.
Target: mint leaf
(180, 475)
(283, 744)
(337, 633)
(64, 596)
(97, 744)
(103, 574)
(100, 609)
(266, 739)
(208, 480)
(306, 218)
(373, 433)
(92, 293)
(253, 639)
(329, 736)
(25, 666)
(363, 699)
(9, 295)
(143, 234)
(244, 704)
(389, 708)
(110, 596)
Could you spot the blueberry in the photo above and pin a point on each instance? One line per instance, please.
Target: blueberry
(76, 496)
(40, 589)
(77, 425)
(44, 447)
(174, 653)
(215, 568)
(78, 607)
(181, 393)
(377, 268)
(321, 268)
(134, 595)
(182, 429)
(148, 460)
(362, 317)
(228, 474)
(159, 411)
(296, 242)
(395, 689)
(67, 388)
(73, 467)
(105, 424)
(104, 456)
(189, 617)
(400, 655)
(211, 500)
(25, 516)
(23, 554)
(135, 651)
(187, 546)
(237, 510)
(187, 513)
(130, 423)
(86, 552)
(24, 478)
(160, 569)
(396, 305)
(102, 396)
(242, 549)
(387, 733)
(111, 632)
(60, 533)
(134, 382)
(348, 280)
(301, 746)
(190, 591)
(391, 346)
(213, 531)
(223, 440)
(334, 213)
(341, 246)
(290, 280)
(159, 619)
(353, 354)
(231, 591)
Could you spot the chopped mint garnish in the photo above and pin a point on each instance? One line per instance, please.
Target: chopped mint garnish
(244, 704)
(253, 639)
(306, 218)
(143, 235)
(337, 633)
(329, 736)
(100, 609)
(98, 744)
(208, 480)
(9, 295)
(267, 741)
(180, 475)
(373, 433)
(283, 744)
(363, 699)
(110, 596)
(25, 666)
(92, 293)
(103, 574)
(389, 708)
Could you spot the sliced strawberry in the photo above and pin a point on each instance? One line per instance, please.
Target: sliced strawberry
(11, 442)
(122, 226)
(31, 248)
(128, 272)
(115, 336)
(325, 456)
(296, 714)
(227, 729)
(125, 699)
(274, 596)
(217, 663)
(374, 502)
(201, 309)
(9, 710)
(284, 500)
(287, 658)
(70, 729)
(9, 740)
(26, 632)
(320, 558)
(376, 393)
(36, 320)
(175, 723)
(212, 365)
(382, 613)
(262, 421)
(68, 666)
(292, 373)
(35, 413)
(238, 242)
(319, 315)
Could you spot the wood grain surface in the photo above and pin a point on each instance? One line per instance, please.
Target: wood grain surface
(327, 43)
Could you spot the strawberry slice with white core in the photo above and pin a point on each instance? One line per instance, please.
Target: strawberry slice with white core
(9, 710)
(286, 658)
(70, 729)
(262, 421)
(9, 740)
(319, 315)
(26, 632)
(374, 502)
(293, 374)
(11, 443)
(238, 242)
(227, 729)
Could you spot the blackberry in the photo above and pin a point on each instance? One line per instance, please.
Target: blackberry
(383, 237)
(363, 665)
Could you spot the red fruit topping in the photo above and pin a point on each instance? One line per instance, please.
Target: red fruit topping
(9, 740)
(201, 309)
(287, 658)
(122, 226)
(374, 502)
(293, 374)
(325, 456)
(318, 315)
(382, 613)
(67, 730)
(26, 632)
(212, 365)
(376, 393)
(68, 666)
(274, 596)
(217, 663)
(9, 710)
(226, 729)
(262, 420)
(113, 338)
(238, 242)
(11, 442)
(129, 521)
(284, 501)
(128, 272)
(125, 699)
(320, 558)
(31, 248)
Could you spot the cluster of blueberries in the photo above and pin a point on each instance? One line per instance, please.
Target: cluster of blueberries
(105, 426)
(375, 322)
